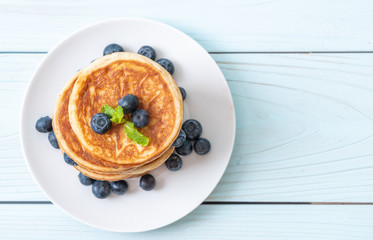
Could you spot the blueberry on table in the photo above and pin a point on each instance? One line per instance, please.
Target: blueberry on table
(140, 118)
(69, 160)
(100, 123)
(53, 140)
(112, 48)
(192, 129)
(147, 182)
(44, 124)
(86, 181)
(101, 189)
(185, 149)
(147, 51)
(129, 103)
(119, 187)
(180, 139)
(166, 64)
(183, 93)
(174, 162)
(202, 146)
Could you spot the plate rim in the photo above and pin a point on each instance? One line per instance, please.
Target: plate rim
(32, 81)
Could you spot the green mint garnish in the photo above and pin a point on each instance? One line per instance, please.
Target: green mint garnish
(116, 115)
(108, 110)
(135, 135)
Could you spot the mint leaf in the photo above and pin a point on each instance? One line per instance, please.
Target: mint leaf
(108, 110)
(135, 135)
(118, 115)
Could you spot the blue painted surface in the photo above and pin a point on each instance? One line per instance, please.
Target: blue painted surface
(304, 121)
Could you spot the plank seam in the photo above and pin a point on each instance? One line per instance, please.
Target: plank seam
(214, 203)
(230, 52)
(294, 52)
(23, 52)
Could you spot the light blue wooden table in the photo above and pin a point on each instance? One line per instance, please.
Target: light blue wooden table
(301, 75)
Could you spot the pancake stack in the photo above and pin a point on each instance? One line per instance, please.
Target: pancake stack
(113, 156)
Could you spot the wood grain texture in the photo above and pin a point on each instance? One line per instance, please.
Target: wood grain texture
(304, 128)
(15, 180)
(270, 222)
(304, 121)
(236, 25)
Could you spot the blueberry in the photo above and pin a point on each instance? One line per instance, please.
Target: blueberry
(147, 182)
(44, 124)
(86, 181)
(53, 140)
(69, 160)
(202, 146)
(129, 103)
(112, 48)
(192, 128)
(147, 51)
(185, 149)
(100, 123)
(166, 64)
(174, 162)
(183, 93)
(101, 189)
(140, 118)
(119, 187)
(180, 139)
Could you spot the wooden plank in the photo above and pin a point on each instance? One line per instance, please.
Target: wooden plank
(259, 25)
(304, 128)
(15, 180)
(206, 222)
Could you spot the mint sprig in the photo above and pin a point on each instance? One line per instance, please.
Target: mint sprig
(116, 115)
(135, 135)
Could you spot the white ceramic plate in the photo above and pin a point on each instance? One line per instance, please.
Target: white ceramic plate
(176, 193)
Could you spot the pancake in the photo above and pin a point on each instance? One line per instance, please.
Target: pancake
(135, 172)
(107, 80)
(68, 141)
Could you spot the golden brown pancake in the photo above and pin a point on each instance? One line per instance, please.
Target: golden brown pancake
(88, 163)
(68, 141)
(107, 80)
(135, 172)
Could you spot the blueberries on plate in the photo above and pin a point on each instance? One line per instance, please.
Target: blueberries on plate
(100, 123)
(44, 124)
(53, 140)
(101, 189)
(119, 187)
(180, 139)
(185, 149)
(147, 51)
(86, 181)
(140, 118)
(183, 93)
(129, 103)
(147, 182)
(202, 146)
(192, 128)
(167, 64)
(174, 162)
(69, 160)
(112, 48)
